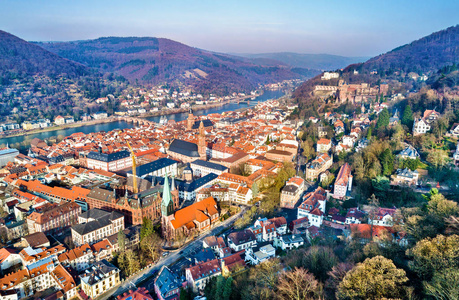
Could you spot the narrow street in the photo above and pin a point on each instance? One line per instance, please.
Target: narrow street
(131, 283)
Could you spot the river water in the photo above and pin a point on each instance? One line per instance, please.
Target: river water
(15, 141)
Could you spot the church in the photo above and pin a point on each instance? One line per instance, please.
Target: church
(194, 218)
(187, 151)
(145, 204)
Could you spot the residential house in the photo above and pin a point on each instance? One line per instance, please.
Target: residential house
(140, 294)
(36, 240)
(64, 281)
(9, 258)
(422, 125)
(298, 226)
(313, 207)
(383, 217)
(167, 284)
(323, 145)
(103, 250)
(79, 258)
(241, 240)
(292, 192)
(409, 153)
(233, 263)
(280, 223)
(288, 242)
(59, 120)
(267, 230)
(213, 242)
(98, 279)
(198, 276)
(354, 216)
(343, 182)
(259, 254)
(318, 165)
(405, 177)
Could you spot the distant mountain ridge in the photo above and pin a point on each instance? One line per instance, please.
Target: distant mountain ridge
(158, 60)
(311, 61)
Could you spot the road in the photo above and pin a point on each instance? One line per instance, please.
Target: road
(131, 283)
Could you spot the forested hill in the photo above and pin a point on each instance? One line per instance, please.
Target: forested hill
(157, 60)
(20, 59)
(427, 54)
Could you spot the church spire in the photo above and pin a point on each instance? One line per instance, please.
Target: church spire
(167, 204)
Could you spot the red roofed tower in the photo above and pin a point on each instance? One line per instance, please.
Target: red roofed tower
(190, 121)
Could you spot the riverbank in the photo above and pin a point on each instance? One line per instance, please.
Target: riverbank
(116, 118)
(60, 127)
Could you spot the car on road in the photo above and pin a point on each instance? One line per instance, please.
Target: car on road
(165, 254)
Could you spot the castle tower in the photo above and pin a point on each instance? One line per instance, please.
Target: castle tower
(202, 146)
(190, 121)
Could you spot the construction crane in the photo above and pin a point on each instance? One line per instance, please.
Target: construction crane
(134, 168)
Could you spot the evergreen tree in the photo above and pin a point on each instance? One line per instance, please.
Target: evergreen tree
(369, 132)
(147, 228)
(387, 162)
(227, 289)
(407, 118)
(383, 120)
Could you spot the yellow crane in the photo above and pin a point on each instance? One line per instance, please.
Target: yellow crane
(134, 168)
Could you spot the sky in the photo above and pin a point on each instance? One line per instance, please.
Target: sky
(348, 28)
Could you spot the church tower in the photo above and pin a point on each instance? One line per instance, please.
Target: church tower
(190, 121)
(202, 145)
(174, 193)
(167, 204)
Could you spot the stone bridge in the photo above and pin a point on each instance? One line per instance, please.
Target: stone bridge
(137, 121)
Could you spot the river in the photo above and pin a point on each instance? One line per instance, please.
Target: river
(15, 141)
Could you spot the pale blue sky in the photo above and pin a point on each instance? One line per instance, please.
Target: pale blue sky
(351, 28)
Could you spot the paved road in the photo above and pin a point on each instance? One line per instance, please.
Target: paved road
(131, 283)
